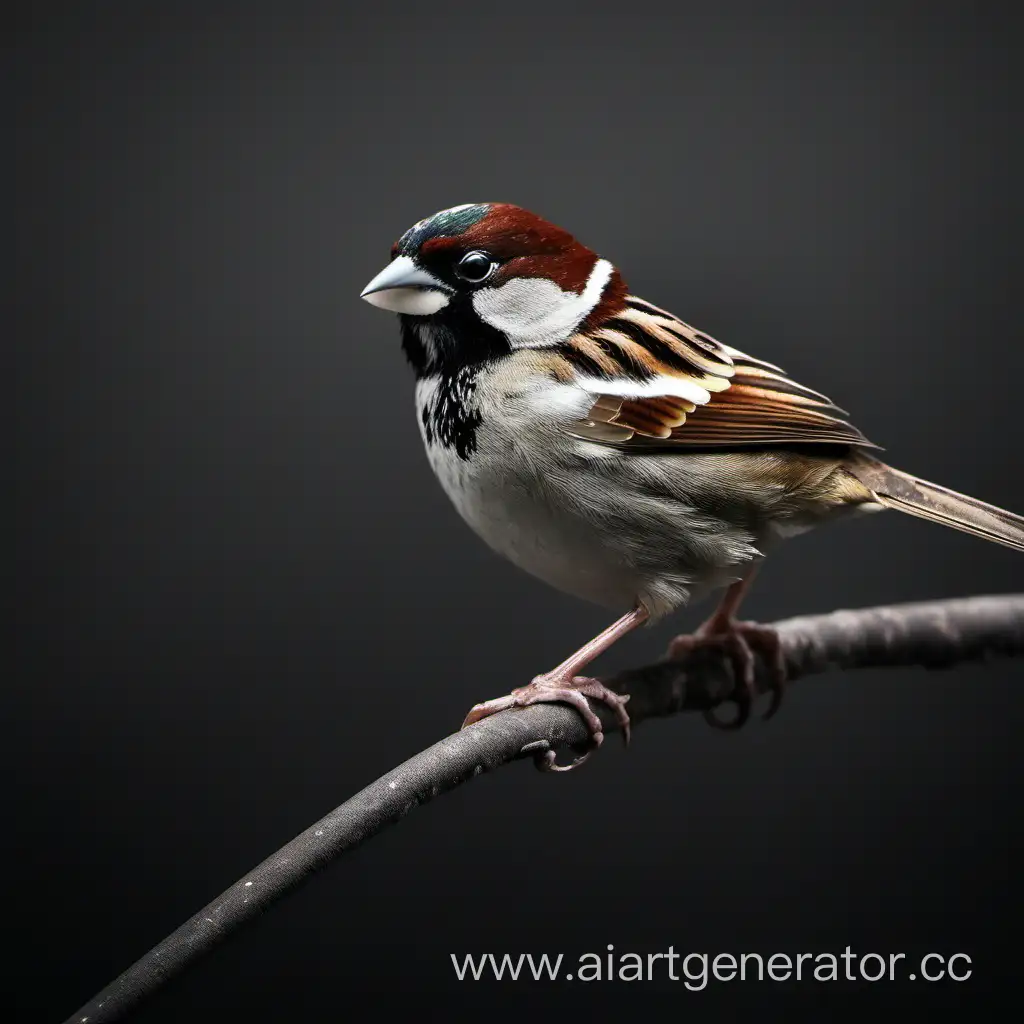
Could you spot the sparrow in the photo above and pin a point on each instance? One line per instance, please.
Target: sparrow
(618, 453)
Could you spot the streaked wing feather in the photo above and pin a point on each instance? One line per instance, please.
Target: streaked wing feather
(659, 380)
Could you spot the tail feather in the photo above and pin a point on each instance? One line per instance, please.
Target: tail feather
(896, 489)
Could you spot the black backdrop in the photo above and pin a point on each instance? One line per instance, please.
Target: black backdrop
(241, 595)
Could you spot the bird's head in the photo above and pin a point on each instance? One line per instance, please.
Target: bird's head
(480, 279)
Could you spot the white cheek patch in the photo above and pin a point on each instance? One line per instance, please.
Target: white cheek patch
(413, 301)
(534, 312)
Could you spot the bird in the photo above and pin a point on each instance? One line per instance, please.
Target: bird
(616, 452)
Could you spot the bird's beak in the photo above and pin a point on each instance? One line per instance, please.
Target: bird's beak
(403, 287)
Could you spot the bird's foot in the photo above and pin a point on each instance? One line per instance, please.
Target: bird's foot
(553, 688)
(739, 640)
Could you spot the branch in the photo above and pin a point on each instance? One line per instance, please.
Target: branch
(938, 634)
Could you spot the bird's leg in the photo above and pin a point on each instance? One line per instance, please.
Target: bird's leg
(738, 639)
(563, 685)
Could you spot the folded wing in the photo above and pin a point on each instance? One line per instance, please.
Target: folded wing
(656, 380)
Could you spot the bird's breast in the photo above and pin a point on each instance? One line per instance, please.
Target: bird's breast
(565, 511)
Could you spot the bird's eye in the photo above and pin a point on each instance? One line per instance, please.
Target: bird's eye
(475, 267)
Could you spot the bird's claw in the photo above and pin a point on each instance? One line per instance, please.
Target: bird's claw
(552, 689)
(738, 641)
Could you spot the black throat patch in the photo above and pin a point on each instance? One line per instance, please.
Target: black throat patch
(449, 418)
(453, 339)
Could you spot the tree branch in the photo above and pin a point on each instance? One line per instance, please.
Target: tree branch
(934, 635)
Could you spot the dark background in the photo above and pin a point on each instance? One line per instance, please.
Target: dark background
(241, 595)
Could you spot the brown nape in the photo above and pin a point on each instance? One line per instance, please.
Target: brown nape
(613, 302)
(570, 270)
